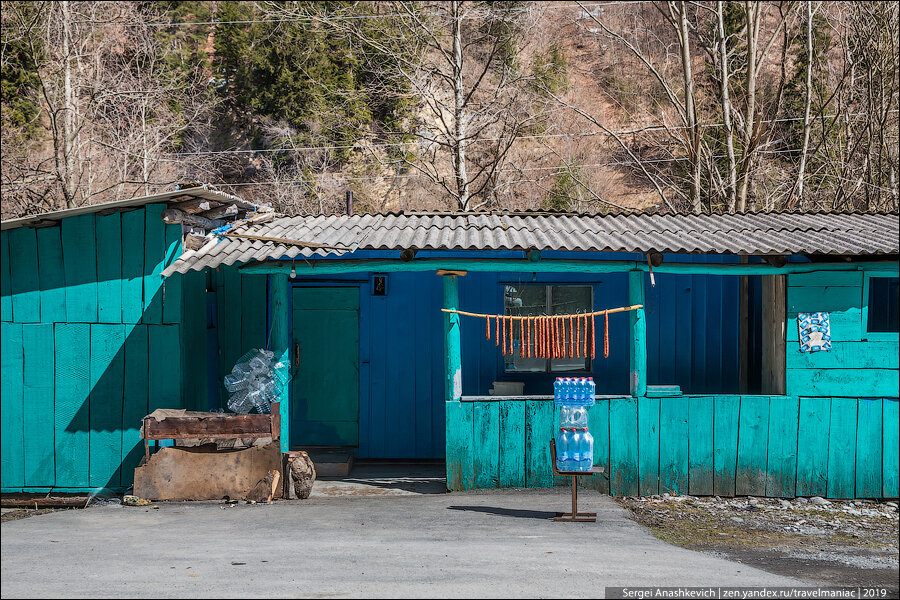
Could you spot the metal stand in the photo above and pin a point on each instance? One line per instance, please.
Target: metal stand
(574, 516)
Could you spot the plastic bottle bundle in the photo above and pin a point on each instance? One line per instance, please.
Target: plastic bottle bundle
(574, 443)
(253, 381)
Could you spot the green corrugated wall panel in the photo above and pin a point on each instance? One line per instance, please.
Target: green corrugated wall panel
(5, 289)
(137, 388)
(38, 351)
(725, 442)
(701, 447)
(487, 444)
(648, 446)
(868, 448)
(71, 417)
(253, 313)
(11, 425)
(753, 437)
(154, 259)
(598, 422)
(539, 429)
(23, 267)
(106, 403)
(52, 275)
(841, 448)
(79, 244)
(173, 297)
(133, 265)
(890, 473)
(812, 446)
(673, 445)
(512, 443)
(623, 447)
(459, 456)
(165, 358)
(781, 464)
(109, 268)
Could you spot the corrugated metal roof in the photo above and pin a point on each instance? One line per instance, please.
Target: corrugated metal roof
(751, 233)
(203, 191)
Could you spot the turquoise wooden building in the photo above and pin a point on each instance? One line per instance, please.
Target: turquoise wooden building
(110, 311)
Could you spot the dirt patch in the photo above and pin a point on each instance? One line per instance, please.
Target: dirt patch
(852, 543)
(13, 514)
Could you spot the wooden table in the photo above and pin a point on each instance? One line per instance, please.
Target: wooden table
(574, 516)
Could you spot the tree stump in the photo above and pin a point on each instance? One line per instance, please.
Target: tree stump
(299, 475)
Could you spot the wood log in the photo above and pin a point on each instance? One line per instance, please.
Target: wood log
(194, 205)
(300, 474)
(224, 210)
(173, 216)
(193, 241)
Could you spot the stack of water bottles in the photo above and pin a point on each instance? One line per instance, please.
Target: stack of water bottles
(254, 381)
(574, 443)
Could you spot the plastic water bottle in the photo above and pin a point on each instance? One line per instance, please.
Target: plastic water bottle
(592, 388)
(557, 389)
(574, 449)
(562, 451)
(586, 454)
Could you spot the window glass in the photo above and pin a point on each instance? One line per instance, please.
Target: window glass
(537, 300)
(884, 304)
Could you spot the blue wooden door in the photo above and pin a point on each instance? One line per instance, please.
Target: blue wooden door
(325, 387)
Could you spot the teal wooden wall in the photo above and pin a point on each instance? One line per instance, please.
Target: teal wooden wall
(776, 446)
(93, 339)
(854, 366)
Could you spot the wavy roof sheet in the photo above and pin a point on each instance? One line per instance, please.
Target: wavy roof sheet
(751, 233)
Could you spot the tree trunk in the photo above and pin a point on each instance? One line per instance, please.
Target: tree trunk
(726, 108)
(690, 109)
(751, 10)
(68, 129)
(808, 105)
(459, 114)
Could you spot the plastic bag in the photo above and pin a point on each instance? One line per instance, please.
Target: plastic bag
(253, 382)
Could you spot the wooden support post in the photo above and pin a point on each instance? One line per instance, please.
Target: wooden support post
(280, 344)
(774, 315)
(638, 334)
(453, 348)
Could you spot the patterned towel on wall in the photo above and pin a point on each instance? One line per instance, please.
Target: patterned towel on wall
(815, 331)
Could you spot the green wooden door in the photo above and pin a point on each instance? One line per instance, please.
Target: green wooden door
(325, 387)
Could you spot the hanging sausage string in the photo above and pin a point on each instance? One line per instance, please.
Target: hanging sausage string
(548, 336)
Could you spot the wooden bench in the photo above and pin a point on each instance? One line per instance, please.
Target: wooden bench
(574, 516)
(194, 425)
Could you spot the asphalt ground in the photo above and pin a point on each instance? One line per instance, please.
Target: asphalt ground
(498, 543)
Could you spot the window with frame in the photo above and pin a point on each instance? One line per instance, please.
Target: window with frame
(883, 314)
(540, 300)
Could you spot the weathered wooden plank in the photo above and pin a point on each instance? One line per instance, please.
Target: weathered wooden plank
(80, 259)
(820, 279)
(173, 297)
(460, 453)
(109, 268)
(12, 457)
(812, 446)
(512, 443)
(136, 393)
(165, 357)
(5, 287)
(539, 430)
(843, 382)
(781, 465)
(890, 472)
(38, 354)
(106, 403)
(598, 424)
(193, 427)
(72, 392)
(842, 448)
(623, 446)
(848, 355)
(725, 444)
(133, 265)
(487, 444)
(701, 446)
(253, 313)
(154, 259)
(52, 275)
(648, 445)
(836, 299)
(753, 438)
(869, 439)
(23, 271)
(673, 445)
